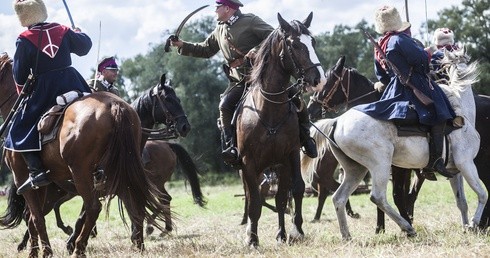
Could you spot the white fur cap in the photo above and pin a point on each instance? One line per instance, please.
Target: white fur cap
(443, 36)
(30, 12)
(388, 19)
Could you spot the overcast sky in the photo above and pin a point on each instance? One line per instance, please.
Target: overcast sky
(129, 26)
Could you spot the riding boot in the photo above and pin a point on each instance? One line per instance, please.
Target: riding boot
(229, 151)
(308, 143)
(435, 148)
(37, 173)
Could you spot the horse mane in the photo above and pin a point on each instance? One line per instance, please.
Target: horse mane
(265, 51)
(5, 65)
(462, 75)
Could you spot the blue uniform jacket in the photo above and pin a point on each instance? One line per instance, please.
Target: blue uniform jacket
(54, 76)
(398, 101)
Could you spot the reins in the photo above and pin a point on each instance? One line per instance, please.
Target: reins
(168, 132)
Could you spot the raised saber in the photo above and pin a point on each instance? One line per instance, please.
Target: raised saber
(175, 36)
(69, 14)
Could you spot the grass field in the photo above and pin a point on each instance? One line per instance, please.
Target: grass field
(215, 230)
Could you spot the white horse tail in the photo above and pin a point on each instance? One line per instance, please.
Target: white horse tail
(309, 165)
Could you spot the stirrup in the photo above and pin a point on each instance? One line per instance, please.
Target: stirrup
(440, 168)
(99, 179)
(34, 183)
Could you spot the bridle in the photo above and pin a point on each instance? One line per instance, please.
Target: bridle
(299, 73)
(339, 83)
(168, 132)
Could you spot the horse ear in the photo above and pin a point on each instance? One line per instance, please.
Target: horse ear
(340, 64)
(307, 21)
(163, 78)
(285, 26)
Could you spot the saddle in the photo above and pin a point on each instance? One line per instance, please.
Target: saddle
(48, 125)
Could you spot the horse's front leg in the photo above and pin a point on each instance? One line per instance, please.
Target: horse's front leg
(37, 223)
(298, 191)
(250, 179)
(281, 199)
(458, 191)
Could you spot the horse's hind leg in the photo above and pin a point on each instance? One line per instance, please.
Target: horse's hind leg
(322, 196)
(470, 174)
(458, 191)
(380, 178)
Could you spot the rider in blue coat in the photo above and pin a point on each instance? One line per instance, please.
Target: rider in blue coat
(398, 101)
(44, 50)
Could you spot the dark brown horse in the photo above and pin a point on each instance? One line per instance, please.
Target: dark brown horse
(321, 170)
(96, 130)
(267, 124)
(161, 158)
(404, 191)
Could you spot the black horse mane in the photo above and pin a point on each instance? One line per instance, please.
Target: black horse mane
(266, 50)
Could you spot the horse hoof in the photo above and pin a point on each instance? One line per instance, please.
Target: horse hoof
(355, 216)
(149, 230)
(412, 234)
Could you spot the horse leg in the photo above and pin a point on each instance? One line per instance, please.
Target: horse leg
(22, 245)
(70, 243)
(166, 202)
(380, 221)
(470, 174)
(353, 176)
(252, 194)
(322, 196)
(380, 181)
(401, 184)
(298, 192)
(245, 207)
(92, 208)
(458, 191)
(37, 223)
(59, 222)
(417, 183)
(281, 203)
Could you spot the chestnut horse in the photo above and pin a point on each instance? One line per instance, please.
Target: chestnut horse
(158, 105)
(97, 130)
(267, 123)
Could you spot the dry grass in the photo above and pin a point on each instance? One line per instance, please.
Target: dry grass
(215, 231)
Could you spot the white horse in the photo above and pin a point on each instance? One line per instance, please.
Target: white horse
(361, 143)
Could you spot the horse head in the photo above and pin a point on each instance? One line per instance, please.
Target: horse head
(160, 105)
(331, 95)
(299, 55)
(345, 87)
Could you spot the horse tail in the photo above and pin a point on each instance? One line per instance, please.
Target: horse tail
(190, 170)
(16, 206)
(310, 165)
(126, 175)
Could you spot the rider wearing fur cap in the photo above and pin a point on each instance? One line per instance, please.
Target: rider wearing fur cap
(398, 101)
(44, 50)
